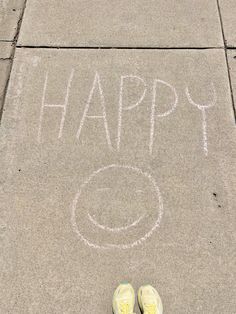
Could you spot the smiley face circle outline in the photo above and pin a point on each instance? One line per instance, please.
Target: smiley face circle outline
(119, 246)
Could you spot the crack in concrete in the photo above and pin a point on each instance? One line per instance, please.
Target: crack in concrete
(116, 47)
(11, 58)
(226, 59)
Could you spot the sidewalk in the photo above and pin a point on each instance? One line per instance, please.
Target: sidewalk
(118, 154)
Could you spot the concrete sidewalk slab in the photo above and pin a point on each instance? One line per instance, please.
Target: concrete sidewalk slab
(5, 50)
(228, 12)
(117, 165)
(145, 23)
(10, 13)
(232, 67)
(5, 54)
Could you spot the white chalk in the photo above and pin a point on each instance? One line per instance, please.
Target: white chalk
(103, 116)
(153, 110)
(118, 246)
(118, 229)
(63, 106)
(203, 110)
(121, 108)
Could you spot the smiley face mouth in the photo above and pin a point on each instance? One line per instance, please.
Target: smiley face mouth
(117, 229)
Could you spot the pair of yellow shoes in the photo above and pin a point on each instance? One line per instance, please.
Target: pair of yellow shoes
(148, 299)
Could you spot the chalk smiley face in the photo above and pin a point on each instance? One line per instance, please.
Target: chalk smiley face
(119, 203)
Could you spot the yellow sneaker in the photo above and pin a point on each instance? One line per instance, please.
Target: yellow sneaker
(123, 299)
(149, 300)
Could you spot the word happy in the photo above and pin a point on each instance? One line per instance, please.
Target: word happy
(96, 86)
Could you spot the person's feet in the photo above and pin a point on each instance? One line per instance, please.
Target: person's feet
(124, 299)
(149, 300)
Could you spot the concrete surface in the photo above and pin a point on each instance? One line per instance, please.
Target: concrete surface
(145, 23)
(5, 54)
(228, 12)
(10, 12)
(232, 68)
(118, 164)
(5, 50)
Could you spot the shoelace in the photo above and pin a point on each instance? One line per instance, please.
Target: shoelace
(150, 309)
(125, 308)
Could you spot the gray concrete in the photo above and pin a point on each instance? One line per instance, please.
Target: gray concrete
(5, 54)
(10, 13)
(5, 50)
(232, 67)
(54, 258)
(145, 23)
(228, 12)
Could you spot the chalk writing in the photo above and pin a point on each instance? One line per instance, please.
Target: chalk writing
(153, 110)
(103, 116)
(114, 229)
(203, 110)
(63, 106)
(122, 108)
(158, 204)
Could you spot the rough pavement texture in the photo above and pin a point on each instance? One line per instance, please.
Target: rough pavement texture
(118, 164)
(228, 11)
(10, 13)
(5, 56)
(145, 23)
